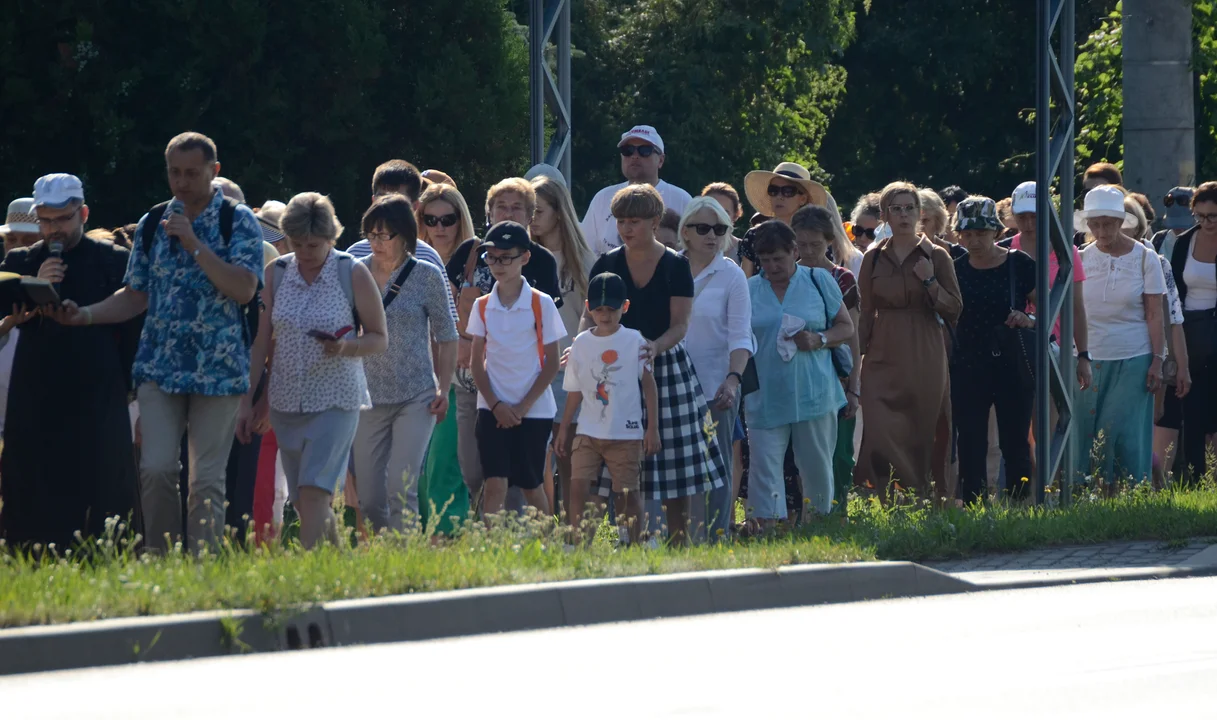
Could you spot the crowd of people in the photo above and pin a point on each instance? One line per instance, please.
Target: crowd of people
(648, 361)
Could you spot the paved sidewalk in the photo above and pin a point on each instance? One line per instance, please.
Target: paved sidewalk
(1083, 561)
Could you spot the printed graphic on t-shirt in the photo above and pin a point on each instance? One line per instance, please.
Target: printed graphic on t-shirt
(604, 380)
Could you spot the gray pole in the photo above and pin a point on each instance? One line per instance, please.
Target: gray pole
(1159, 114)
(547, 18)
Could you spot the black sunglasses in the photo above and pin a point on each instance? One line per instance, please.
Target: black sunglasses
(704, 228)
(786, 191)
(642, 150)
(446, 220)
(860, 231)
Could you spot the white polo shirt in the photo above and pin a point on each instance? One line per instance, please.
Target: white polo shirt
(599, 225)
(512, 361)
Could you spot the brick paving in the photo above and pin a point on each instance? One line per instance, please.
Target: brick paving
(1086, 557)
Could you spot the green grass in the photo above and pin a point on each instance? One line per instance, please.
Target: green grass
(115, 583)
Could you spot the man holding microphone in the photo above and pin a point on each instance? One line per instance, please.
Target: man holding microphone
(194, 271)
(67, 462)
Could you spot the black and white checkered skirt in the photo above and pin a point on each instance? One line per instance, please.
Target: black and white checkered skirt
(690, 461)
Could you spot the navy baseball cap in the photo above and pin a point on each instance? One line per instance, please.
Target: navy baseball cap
(606, 290)
(507, 235)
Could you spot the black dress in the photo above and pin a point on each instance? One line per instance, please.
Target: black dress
(68, 461)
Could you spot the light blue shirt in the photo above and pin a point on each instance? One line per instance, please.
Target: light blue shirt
(806, 387)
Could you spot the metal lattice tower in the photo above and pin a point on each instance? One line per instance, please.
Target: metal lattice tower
(1054, 165)
(546, 90)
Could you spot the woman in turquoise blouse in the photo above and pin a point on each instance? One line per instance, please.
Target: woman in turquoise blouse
(797, 317)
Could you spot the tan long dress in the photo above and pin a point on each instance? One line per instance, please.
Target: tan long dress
(905, 378)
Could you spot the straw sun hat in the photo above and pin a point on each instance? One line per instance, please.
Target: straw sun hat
(756, 186)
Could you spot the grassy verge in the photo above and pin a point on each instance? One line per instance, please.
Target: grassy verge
(116, 583)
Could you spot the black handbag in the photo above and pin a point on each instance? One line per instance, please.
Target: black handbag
(1018, 344)
(842, 356)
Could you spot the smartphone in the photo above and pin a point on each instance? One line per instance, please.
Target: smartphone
(326, 336)
(40, 292)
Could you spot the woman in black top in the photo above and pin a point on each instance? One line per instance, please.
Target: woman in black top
(985, 370)
(659, 286)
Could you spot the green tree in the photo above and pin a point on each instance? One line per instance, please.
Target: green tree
(732, 85)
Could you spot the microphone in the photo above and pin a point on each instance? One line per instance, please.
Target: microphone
(56, 248)
(175, 208)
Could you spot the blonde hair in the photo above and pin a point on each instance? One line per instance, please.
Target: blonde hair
(843, 250)
(572, 245)
(900, 187)
(452, 196)
(1132, 207)
(637, 201)
(517, 185)
(697, 204)
(310, 214)
(936, 209)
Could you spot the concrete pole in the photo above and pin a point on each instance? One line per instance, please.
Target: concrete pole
(1159, 111)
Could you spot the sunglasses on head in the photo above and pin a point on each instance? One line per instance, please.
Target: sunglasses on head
(786, 191)
(446, 220)
(705, 228)
(642, 150)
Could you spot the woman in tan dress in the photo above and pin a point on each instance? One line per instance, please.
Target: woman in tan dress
(908, 292)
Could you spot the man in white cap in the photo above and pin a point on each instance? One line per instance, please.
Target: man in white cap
(67, 462)
(642, 156)
(196, 266)
(20, 228)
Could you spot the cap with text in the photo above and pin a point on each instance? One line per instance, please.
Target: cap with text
(643, 132)
(1023, 199)
(21, 217)
(57, 190)
(606, 290)
(507, 235)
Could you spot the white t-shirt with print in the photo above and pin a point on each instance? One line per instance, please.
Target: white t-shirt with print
(512, 361)
(599, 225)
(607, 370)
(1115, 312)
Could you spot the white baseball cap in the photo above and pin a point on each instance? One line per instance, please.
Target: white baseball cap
(20, 217)
(1024, 198)
(57, 190)
(545, 170)
(643, 132)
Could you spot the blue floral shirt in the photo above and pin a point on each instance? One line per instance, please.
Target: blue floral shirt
(194, 339)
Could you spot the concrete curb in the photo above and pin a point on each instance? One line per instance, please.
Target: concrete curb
(429, 616)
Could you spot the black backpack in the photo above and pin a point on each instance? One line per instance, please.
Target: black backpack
(228, 210)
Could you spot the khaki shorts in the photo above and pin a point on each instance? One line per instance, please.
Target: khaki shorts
(622, 457)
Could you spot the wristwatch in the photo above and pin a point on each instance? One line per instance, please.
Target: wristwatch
(196, 252)
(1084, 355)
(738, 378)
(929, 281)
(823, 339)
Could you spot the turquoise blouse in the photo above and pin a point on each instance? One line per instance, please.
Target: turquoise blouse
(807, 387)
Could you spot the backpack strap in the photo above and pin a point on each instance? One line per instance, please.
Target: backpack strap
(346, 266)
(481, 308)
(395, 288)
(147, 235)
(277, 271)
(228, 210)
(536, 319)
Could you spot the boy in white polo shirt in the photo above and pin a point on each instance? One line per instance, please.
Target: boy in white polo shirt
(606, 375)
(515, 333)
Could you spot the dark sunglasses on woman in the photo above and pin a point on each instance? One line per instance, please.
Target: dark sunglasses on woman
(860, 231)
(642, 150)
(446, 220)
(704, 229)
(786, 191)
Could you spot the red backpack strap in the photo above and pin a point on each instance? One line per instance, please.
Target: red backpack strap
(481, 306)
(536, 319)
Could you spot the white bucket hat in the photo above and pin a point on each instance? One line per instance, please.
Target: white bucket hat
(1106, 201)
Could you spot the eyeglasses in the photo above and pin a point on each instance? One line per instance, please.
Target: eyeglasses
(60, 221)
(446, 220)
(902, 209)
(786, 191)
(500, 259)
(1206, 218)
(642, 150)
(705, 228)
(859, 231)
(379, 237)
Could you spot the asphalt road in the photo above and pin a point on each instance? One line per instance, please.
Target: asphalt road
(1111, 650)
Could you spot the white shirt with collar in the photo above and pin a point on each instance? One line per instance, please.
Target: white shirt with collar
(599, 226)
(721, 322)
(512, 361)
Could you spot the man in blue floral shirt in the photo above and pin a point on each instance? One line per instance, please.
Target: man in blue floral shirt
(192, 368)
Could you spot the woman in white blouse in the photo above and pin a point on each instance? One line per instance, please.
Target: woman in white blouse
(317, 383)
(719, 340)
(1123, 294)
